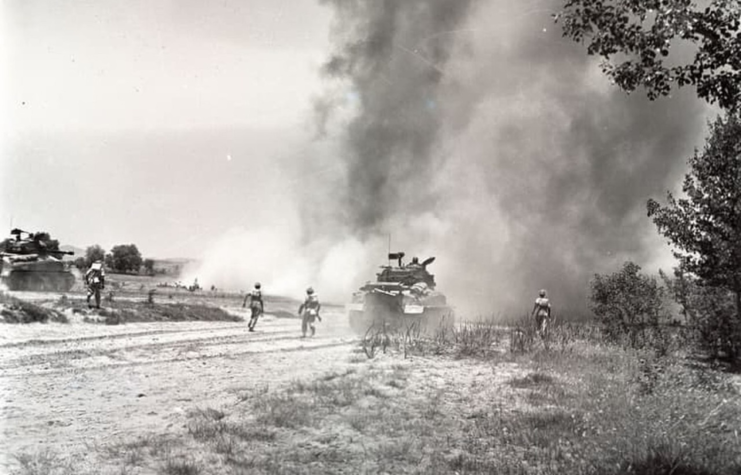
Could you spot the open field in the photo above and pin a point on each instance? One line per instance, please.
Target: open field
(65, 386)
(208, 397)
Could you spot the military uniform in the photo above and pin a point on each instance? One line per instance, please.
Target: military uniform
(542, 311)
(95, 282)
(256, 306)
(309, 312)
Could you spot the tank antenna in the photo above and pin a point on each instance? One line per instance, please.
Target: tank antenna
(388, 254)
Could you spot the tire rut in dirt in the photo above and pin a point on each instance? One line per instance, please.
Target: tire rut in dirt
(38, 342)
(57, 357)
(230, 355)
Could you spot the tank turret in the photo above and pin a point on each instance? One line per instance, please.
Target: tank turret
(29, 262)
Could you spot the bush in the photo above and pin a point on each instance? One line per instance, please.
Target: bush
(710, 312)
(629, 305)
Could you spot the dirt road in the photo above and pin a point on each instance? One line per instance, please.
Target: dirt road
(71, 386)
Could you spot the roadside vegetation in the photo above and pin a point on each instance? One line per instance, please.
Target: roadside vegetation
(464, 399)
(14, 310)
(126, 311)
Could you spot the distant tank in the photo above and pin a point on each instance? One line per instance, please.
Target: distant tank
(27, 263)
(400, 296)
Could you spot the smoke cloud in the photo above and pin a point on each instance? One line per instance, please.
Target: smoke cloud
(394, 77)
(472, 131)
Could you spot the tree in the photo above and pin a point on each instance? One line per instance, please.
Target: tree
(93, 253)
(627, 303)
(81, 263)
(710, 311)
(108, 261)
(635, 39)
(705, 227)
(126, 258)
(149, 266)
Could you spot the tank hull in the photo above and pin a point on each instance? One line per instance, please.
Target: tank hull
(36, 276)
(401, 296)
(393, 313)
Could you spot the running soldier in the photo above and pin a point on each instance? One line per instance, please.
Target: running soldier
(256, 305)
(95, 282)
(309, 311)
(542, 313)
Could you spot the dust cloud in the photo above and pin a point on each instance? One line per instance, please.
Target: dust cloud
(470, 131)
(481, 136)
(276, 257)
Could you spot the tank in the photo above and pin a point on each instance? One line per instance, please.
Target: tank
(27, 263)
(400, 296)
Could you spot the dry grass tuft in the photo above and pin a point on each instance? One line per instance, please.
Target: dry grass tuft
(173, 466)
(125, 311)
(15, 310)
(532, 379)
(43, 462)
(284, 411)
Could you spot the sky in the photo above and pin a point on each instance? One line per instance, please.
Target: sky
(294, 142)
(133, 121)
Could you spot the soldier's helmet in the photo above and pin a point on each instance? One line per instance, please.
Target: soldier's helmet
(415, 260)
(310, 290)
(257, 285)
(542, 293)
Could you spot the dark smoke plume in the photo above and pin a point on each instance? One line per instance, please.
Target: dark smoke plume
(498, 146)
(394, 75)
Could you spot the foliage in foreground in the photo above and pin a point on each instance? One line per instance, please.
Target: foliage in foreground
(630, 309)
(628, 304)
(705, 225)
(711, 314)
(635, 39)
(705, 228)
(577, 408)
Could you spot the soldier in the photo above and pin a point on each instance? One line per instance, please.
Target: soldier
(542, 313)
(256, 305)
(309, 310)
(95, 282)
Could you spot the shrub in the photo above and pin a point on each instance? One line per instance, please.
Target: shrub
(629, 305)
(710, 312)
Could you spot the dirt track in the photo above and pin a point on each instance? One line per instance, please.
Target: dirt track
(72, 386)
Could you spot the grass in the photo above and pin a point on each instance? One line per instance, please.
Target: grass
(43, 462)
(581, 408)
(124, 311)
(457, 403)
(14, 310)
(532, 380)
(180, 467)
